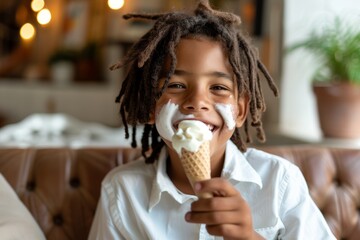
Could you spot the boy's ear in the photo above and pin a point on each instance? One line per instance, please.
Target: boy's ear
(243, 106)
(151, 118)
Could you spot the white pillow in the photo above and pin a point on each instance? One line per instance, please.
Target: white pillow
(16, 222)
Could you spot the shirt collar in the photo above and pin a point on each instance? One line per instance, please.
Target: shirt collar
(162, 183)
(236, 169)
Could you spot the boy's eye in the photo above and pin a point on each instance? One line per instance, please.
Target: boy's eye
(219, 87)
(176, 85)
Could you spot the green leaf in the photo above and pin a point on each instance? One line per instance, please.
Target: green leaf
(337, 48)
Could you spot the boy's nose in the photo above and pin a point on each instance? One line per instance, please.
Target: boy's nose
(196, 101)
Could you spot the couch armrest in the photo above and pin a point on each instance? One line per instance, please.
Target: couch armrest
(333, 177)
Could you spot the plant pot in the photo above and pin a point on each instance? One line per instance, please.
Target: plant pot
(338, 109)
(62, 72)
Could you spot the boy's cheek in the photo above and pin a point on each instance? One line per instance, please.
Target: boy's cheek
(156, 112)
(160, 104)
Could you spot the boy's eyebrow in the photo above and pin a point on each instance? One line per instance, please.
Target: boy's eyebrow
(217, 74)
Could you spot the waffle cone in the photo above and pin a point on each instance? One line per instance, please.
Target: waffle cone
(197, 165)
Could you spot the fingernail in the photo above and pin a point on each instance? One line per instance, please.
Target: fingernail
(197, 186)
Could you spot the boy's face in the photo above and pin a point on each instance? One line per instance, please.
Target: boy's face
(202, 81)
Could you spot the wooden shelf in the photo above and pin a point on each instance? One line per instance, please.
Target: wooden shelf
(87, 102)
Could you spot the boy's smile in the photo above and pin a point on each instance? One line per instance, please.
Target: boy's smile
(201, 86)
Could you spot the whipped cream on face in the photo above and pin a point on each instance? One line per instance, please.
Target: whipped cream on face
(169, 114)
(227, 113)
(190, 135)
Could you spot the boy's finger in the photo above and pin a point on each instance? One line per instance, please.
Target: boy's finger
(216, 204)
(217, 186)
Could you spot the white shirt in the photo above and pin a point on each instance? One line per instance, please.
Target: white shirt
(16, 222)
(139, 201)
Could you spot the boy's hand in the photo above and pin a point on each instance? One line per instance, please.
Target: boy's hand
(227, 214)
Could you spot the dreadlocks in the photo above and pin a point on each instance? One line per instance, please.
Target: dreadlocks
(147, 56)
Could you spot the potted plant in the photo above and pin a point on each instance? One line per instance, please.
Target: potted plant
(62, 66)
(336, 83)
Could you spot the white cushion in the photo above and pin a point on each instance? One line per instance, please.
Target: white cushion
(16, 222)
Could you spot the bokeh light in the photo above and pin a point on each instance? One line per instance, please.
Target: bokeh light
(116, 4)
(27, 31)
(44, 16)
(37, 5)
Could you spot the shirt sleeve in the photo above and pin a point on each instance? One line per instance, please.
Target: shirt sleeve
(16, 222)
(103, 226)
(299, 213)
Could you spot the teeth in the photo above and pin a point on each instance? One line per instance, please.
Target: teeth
(210, 127)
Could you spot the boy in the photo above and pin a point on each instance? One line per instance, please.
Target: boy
(199, 67)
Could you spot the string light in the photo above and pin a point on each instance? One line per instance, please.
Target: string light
(116, 4)
(44, 16)
(37, 5)
(27, 31)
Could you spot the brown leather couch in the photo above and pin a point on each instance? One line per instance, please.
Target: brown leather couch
(61, 186)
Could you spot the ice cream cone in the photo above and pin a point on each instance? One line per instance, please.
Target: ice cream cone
(197, 165)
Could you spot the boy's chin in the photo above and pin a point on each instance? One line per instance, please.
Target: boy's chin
(168, 144)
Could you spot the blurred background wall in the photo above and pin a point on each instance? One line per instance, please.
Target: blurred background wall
(91, 36)
(298, 114)
(83, 38)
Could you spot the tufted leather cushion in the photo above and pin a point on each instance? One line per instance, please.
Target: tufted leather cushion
(333, 177)
(61, 187)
